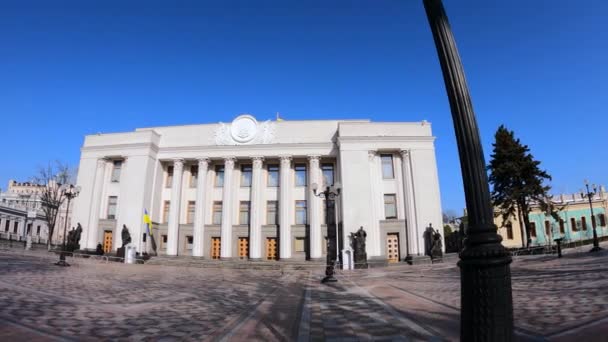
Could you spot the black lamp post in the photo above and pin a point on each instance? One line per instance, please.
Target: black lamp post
(486, 311)
(589, 195)
(330, 194)
(69, 191)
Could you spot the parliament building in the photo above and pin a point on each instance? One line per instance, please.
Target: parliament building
(244, 189)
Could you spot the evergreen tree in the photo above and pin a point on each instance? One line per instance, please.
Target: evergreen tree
(516, 178)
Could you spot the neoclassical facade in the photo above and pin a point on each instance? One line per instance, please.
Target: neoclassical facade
(244, 189)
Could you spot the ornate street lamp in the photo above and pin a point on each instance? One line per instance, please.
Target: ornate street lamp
(69, 191)
(486, 303)
(330, 194)
(589, 195)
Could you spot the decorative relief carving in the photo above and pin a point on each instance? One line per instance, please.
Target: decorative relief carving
(257, 162)
(245, 130)
(229, 162)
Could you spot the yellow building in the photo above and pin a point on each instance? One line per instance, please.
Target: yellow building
(575, 224)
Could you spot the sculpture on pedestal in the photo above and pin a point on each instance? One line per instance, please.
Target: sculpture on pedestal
(74, 239)
(125, 235)
(358, 242)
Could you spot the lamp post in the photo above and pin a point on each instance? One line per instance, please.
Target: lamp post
(589, 195)
(69, 191)
(329, 194)
(486, 310)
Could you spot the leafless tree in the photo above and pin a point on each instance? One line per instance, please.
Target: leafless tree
(52, 177)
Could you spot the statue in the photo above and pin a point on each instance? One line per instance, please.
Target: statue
(99, 249)
(73, 239)
(428, 240)
(436, 252)
(358, 243)
(126, 236)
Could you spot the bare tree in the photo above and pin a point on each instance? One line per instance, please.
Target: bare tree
(52, 176)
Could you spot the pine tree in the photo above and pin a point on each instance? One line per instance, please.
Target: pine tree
(516, 178)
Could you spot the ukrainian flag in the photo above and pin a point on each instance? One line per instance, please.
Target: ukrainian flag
(148, 222)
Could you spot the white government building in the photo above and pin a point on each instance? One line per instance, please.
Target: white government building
(244, 189)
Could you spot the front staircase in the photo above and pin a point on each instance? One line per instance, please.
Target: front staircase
(189, 261)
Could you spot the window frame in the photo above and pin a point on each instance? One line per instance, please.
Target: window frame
(326, 167)
(299, 170)
(112, 205)
(383, 163)
(246, 169)
(216, 215)
(116, 171)
(302, 210)
(269, 212)
(190, 214)
(193, 176)
(273, 169)
(394, 197)
(218, 181)
(246, 205)
(169, 176)
(166, 210)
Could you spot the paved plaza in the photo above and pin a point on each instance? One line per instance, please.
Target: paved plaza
(554, 299)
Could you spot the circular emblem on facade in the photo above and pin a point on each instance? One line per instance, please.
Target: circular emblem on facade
(244, 128)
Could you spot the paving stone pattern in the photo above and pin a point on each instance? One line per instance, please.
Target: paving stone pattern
(554, 299)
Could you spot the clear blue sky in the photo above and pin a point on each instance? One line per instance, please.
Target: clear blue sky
(68, 69)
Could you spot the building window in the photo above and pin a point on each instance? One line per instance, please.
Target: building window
(387, 166)
(7, 225)
(246, 176)
(584, 222)
(533, 229)
(328, 174)
(547, 228)
(219, 176)
(300, 174)
(193, 175)
(217, 212)
(299, 245)
(169, 180)
(272, 212)
(116, 171)
(602, 219)
(301, 212)
(163, 241)
(390, 206)
(112, 202)
(244, 212)
(573, 225)
(273, 175)
(189, 242)
(561, 226)
(190, 213)
(509, 231)
(15, 227)
(166, 207)
(38, 230)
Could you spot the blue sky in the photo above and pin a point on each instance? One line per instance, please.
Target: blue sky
(74, 68)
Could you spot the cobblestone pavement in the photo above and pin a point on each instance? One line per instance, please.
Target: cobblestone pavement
(554, 299)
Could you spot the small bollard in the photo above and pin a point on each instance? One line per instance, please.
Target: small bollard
(559, 247)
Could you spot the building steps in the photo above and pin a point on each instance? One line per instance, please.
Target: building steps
(188, 261)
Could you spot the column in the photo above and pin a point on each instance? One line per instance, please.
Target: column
(174, 208)
(255, 229)
(198, 232)
(285, 206)
(226, 229)
(377, 202)
(410, 204)
(93, 225)
(314, 211)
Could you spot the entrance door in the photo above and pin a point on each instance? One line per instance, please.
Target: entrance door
(243, 248)
(216, 245)
(271, 249)
(392, 247)
(107, 241)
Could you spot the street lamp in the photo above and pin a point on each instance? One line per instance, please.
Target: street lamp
(589, 195)
(486, 310)
(330, 194)
(69, 191)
